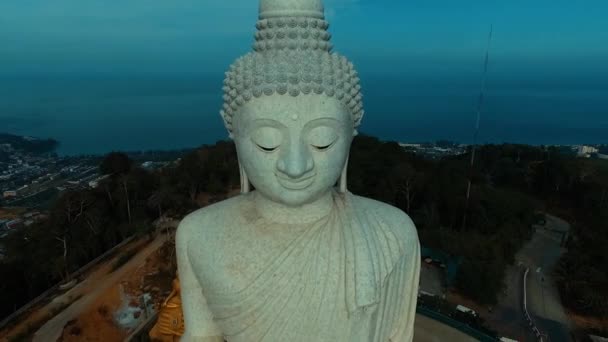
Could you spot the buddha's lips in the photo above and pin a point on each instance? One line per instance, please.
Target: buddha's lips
(296, 184)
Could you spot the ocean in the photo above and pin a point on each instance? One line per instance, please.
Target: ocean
(92, 114)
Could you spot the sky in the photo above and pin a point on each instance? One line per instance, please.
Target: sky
(539, 37)
(420, 63)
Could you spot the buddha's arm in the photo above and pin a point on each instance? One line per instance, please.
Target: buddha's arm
(397, 312)
(407, 278)
(405, 285)
(197, 316)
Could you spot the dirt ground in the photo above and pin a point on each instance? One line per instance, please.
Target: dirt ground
(98, 322)
(95, 316)
(588, 323)
(11, 213)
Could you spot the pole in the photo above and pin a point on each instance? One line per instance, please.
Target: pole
(476, 133)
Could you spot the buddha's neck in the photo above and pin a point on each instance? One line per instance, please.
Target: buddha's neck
(281, 213)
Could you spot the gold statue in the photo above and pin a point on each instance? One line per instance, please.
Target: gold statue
(170, 324)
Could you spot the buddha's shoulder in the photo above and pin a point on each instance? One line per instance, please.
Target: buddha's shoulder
(398, 221)
(210, 221)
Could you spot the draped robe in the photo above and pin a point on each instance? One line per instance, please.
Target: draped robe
(350, 276)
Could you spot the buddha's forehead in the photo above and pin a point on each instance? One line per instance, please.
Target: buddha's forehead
(290, 110)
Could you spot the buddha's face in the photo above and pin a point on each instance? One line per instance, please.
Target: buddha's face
(293, 149)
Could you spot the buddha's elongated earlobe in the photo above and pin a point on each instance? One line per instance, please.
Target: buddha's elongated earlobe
(244, 180)
(342, 182)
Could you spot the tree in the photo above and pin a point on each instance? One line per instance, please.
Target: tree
(190, 171)
(403, 179)
(124, 182)
(162, 197)
(116, 163)
(68, 220)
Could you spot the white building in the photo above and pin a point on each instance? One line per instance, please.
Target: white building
(95, 183)
(404, 145)
(585, 151)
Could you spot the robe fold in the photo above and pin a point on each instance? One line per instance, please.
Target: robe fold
(352, 276)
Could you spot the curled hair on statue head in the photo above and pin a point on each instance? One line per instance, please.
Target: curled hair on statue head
(291, 57)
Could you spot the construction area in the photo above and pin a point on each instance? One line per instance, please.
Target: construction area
(111, 300)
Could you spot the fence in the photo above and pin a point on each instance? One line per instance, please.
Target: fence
(526, 314)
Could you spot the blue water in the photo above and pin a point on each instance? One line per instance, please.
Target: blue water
(101, 113)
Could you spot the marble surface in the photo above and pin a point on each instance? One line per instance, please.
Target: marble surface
(300, 258)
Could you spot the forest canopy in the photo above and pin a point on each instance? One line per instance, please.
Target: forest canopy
(511, 185)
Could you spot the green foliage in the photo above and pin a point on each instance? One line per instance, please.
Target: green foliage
(481, 279)
(212, 169)
(583, 271)
(115, 163)
(433, 193)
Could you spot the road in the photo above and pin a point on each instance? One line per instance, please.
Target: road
(540, 254)
(431, 279)
(53, 329)
(429, 330)
(544, 304)
(507, 316)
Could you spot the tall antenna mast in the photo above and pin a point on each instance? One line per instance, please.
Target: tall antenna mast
(476, 133)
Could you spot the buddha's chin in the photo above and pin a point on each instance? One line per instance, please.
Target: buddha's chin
(297, 197)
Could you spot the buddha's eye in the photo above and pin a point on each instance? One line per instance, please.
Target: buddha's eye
(267, 149)
(322, 148)
(322, 138)
(267, 139)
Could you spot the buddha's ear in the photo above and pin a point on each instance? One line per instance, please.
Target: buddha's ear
(342, 182)
(245, 186)
(355, 133)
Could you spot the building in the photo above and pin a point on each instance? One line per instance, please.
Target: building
(586, 151)
(9, 194)
(410, 145)
(95, 183)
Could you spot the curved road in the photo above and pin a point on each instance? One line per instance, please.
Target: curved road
(540, 254)
(544, 302)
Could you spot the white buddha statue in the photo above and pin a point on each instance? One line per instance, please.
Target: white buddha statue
(299, 258)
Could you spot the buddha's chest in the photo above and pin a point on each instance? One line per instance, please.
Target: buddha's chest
(292, 287)
(243, 255)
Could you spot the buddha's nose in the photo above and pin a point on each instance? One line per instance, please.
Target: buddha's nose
(295, 161)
